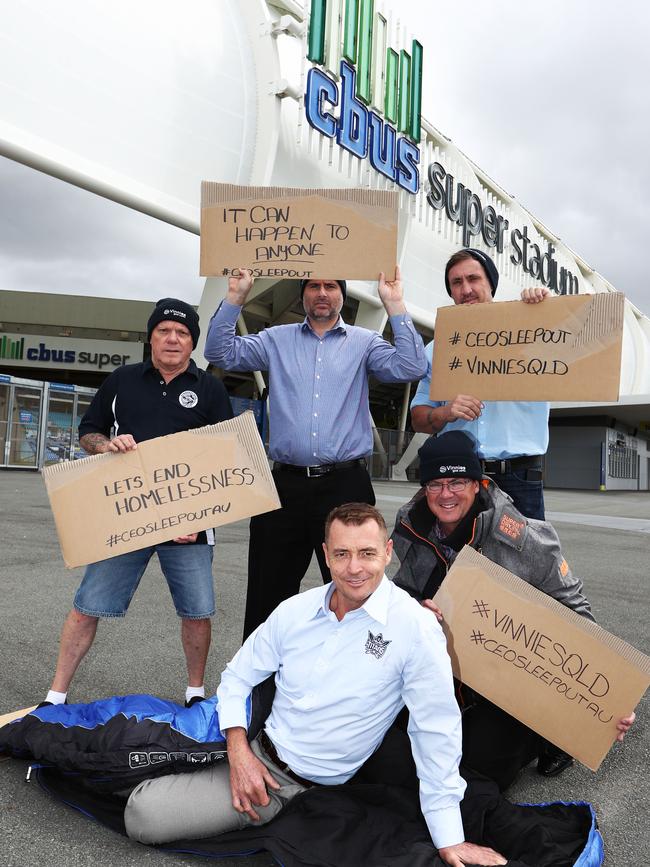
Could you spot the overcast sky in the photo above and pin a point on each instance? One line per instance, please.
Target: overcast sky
(550, 99)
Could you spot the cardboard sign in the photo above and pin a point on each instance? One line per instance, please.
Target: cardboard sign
(557, 672)
(6, 718)
(168, 487)
(282, 232)
(566, 348)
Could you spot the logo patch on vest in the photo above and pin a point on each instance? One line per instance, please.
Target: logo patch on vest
(511, 528)
(188, 399)
(376, 645)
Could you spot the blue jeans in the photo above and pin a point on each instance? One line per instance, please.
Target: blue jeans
(527, 496)
(108, 586)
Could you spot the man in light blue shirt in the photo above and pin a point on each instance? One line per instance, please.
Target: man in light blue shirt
(346, 659)
(320, 423)
(512, 436)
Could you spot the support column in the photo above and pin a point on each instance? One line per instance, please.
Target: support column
(411, 453)
(403, 418)
(371, 314)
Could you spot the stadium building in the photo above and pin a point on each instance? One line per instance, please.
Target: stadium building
(268, 93)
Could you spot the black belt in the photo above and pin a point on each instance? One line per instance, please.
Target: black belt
(267, 745)
(506, 466)
(321, 470)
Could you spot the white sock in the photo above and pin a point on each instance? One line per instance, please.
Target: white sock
(191, 691)
(56, 697)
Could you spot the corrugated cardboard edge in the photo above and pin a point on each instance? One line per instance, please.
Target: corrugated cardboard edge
(469, 558)
(378, 207)
(611, 307)
(214, 193)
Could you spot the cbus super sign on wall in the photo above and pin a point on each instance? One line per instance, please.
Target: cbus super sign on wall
(378, 94)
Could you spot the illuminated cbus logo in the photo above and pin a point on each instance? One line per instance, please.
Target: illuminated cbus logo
(374, 80)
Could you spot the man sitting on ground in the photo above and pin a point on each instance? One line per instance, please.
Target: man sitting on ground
(347, 657)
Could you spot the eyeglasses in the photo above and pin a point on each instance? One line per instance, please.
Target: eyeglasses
(455, 486)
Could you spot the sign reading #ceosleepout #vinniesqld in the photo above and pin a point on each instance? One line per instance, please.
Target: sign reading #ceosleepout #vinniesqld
(565, 348)
(289, 233)
(168, 487)
(560, 674)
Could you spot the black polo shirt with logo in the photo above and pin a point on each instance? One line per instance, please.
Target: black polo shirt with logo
(136, 400)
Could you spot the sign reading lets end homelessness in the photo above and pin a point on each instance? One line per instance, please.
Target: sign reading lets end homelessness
(168, 487)
(566, 348)
(557, 672)
(282, 232)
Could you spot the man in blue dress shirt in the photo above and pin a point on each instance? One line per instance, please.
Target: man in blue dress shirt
(320, 422)
(346, 657)
(512, 435)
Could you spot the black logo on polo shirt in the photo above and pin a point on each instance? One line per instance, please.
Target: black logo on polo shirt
(188, 399)
(376, 645)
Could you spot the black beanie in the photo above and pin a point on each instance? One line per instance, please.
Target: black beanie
(341, 283)
(449, 454)
(177, 311)
(488, 266)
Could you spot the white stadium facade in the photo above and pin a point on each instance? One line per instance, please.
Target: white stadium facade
(141, 102)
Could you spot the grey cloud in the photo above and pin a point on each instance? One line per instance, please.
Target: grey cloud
(552, 101)
(58, 238)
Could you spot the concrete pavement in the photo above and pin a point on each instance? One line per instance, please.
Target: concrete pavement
(142, 654)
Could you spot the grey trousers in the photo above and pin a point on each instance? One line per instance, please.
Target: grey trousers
(198, 804)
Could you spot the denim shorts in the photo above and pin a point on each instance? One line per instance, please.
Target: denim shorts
(108, 587)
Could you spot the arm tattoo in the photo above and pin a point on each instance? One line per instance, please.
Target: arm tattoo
(92, 443)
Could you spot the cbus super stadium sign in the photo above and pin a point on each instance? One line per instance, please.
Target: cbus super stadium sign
(377, 90)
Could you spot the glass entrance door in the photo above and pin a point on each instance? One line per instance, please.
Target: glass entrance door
(59, 442)
(5, 395)
(24, 426)
(83, 402)
(39, 421)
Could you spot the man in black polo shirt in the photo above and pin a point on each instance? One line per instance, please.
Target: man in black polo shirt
(139, 402)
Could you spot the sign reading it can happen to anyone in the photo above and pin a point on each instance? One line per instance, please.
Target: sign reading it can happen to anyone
(168, 487)
(566, 348)
(560, 674)
(285, 232)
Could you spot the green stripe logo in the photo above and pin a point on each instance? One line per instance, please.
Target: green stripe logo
(387, 79)
(12, 349)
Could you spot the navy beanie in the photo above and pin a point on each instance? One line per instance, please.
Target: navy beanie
(177, 311)
(488, 266)
(447, 455)
(341, 283)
